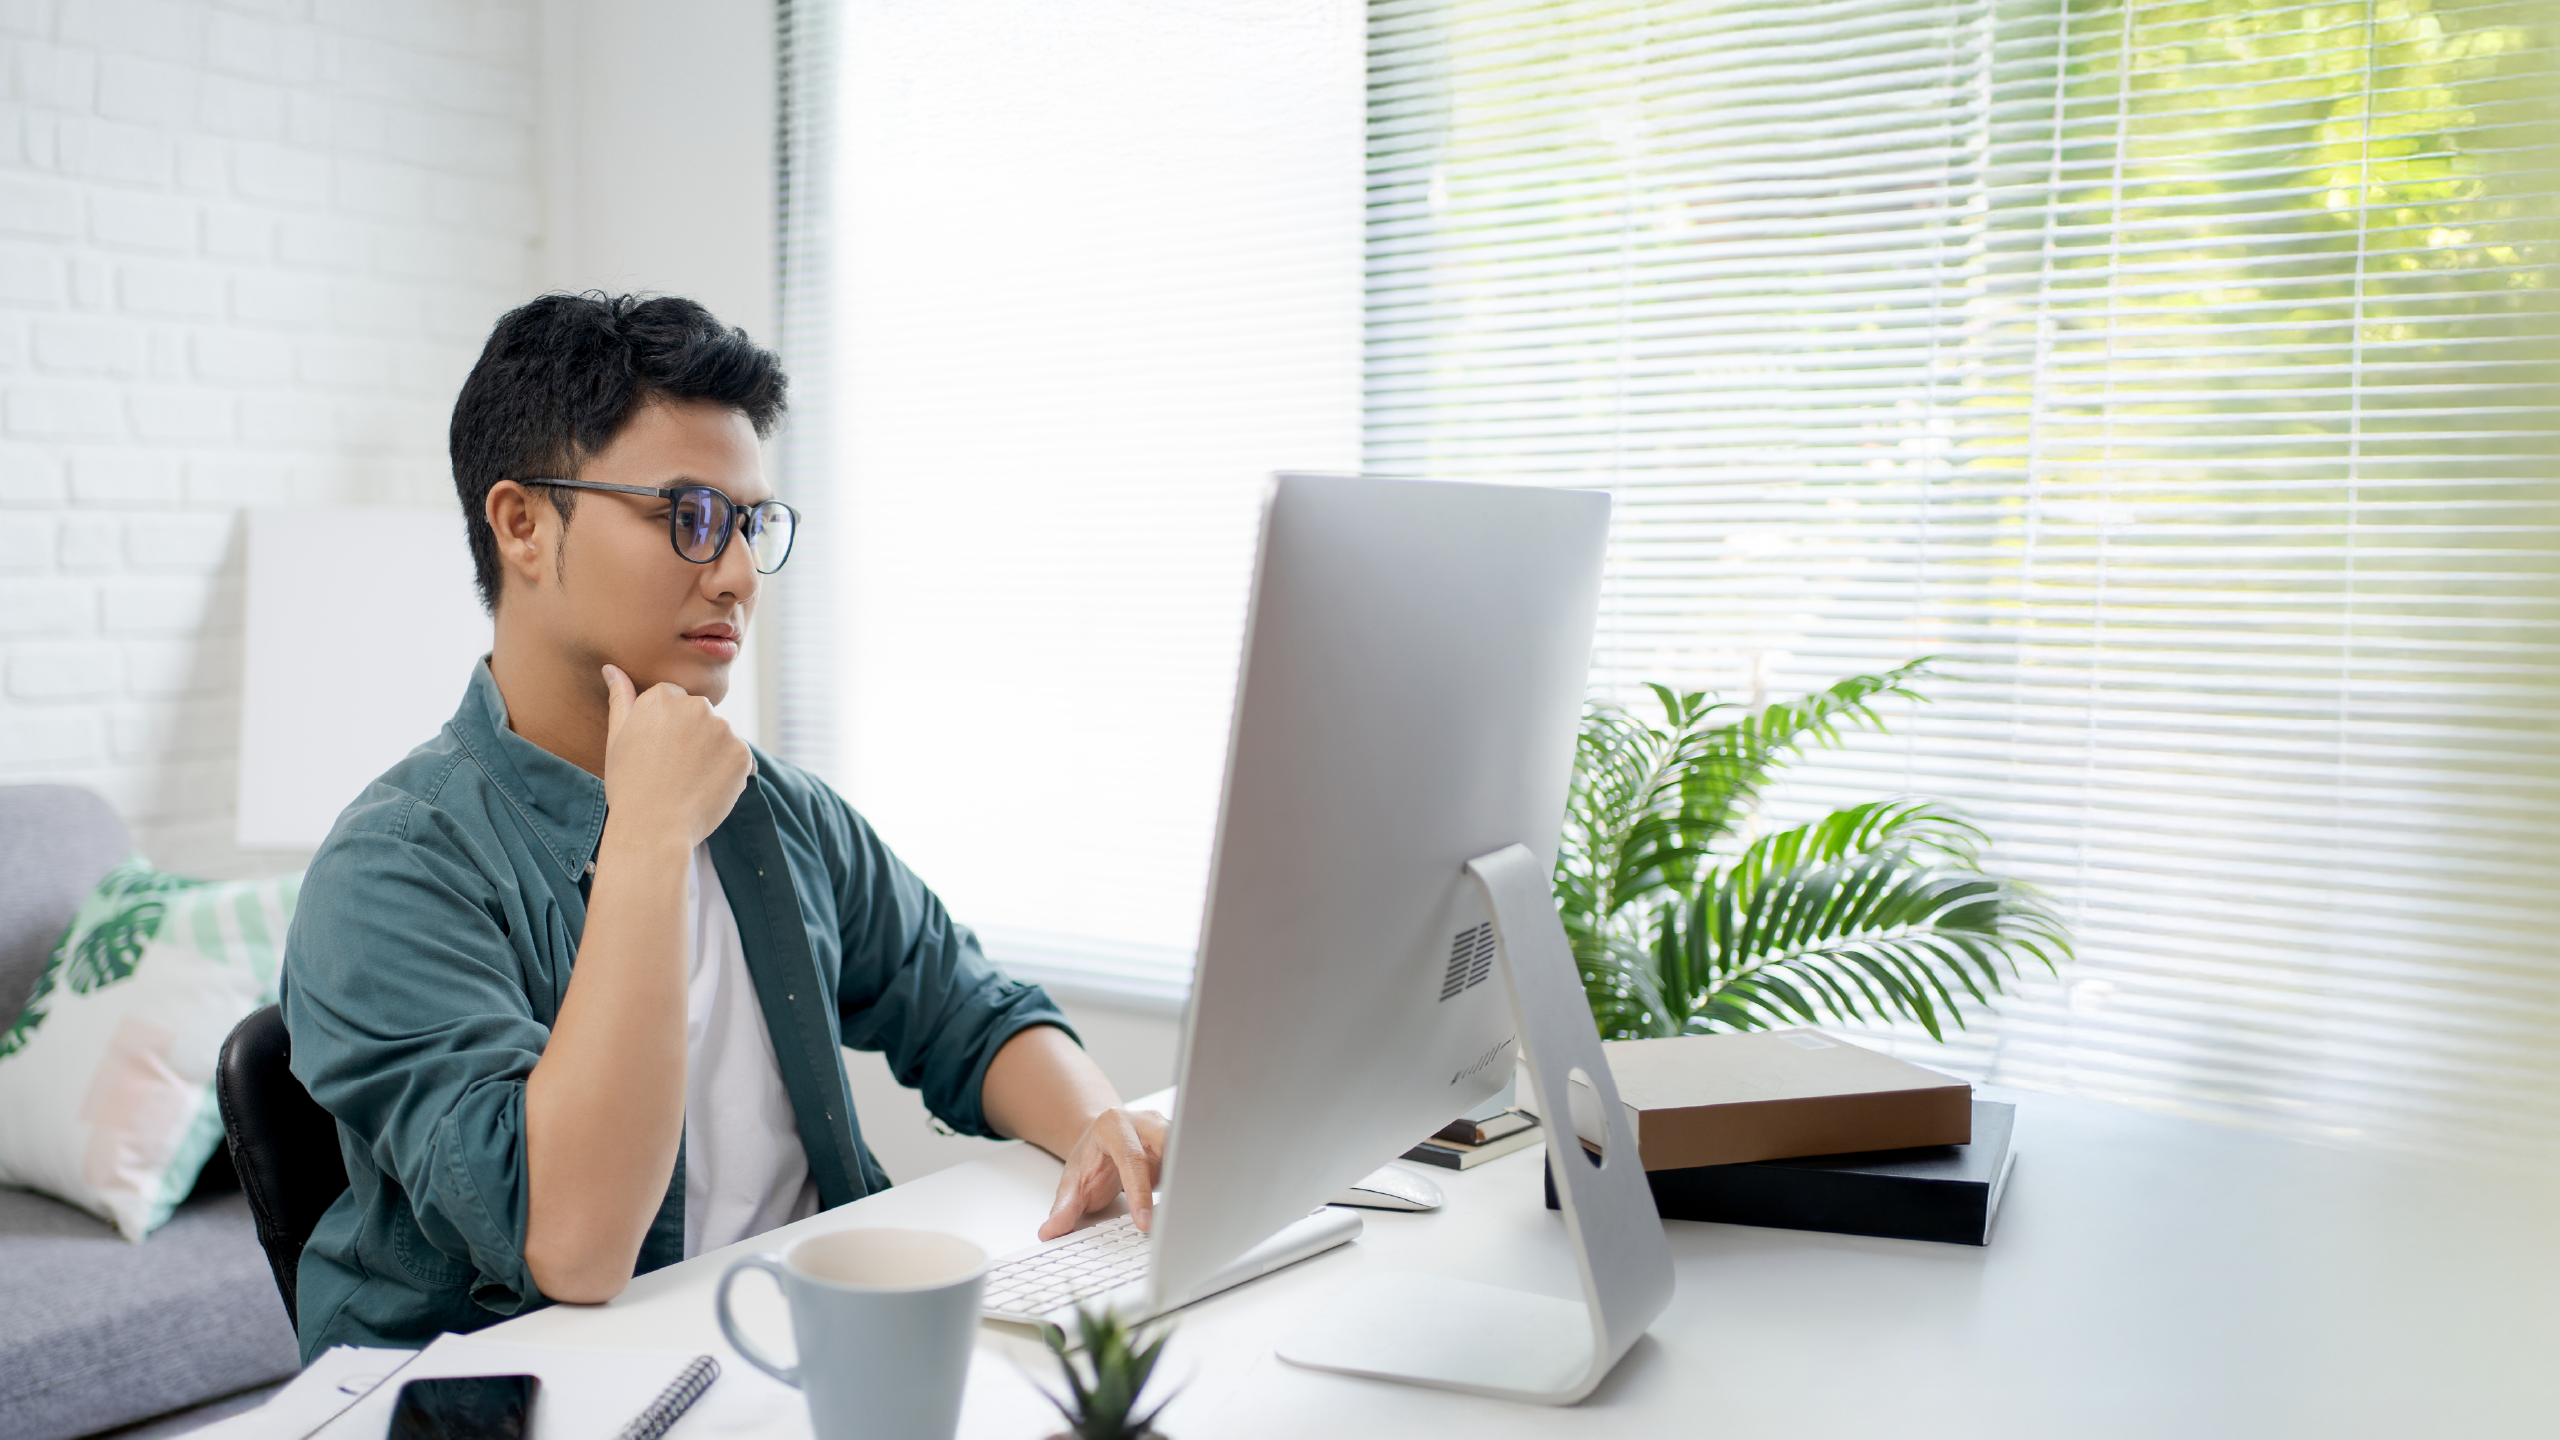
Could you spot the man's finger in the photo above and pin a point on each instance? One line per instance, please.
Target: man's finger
(1137, 1177)
(1065, 1210)
(617, 700)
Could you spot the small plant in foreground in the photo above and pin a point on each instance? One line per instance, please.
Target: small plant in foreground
(1103, 1393)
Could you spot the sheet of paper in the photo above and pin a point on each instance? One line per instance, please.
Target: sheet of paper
(585, 1394)
(326, 1387)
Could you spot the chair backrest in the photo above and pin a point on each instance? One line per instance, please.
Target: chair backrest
(282, 1143)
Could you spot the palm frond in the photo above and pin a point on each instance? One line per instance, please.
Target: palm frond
(1625, 995)
(1641, 985)
(1623, 826)
(1649, 800)
(1879, 911)
(1874, 936)
(1736, 762)
(1919, 826)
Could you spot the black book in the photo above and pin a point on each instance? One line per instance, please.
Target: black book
(1938, 1192)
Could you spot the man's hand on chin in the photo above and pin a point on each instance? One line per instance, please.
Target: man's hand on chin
(671, 763)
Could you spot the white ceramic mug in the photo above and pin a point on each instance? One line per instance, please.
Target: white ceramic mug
(884, 1321)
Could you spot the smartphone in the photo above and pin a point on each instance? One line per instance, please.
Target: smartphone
(467, 1407)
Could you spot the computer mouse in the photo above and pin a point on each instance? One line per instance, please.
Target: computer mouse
(1391, 1187)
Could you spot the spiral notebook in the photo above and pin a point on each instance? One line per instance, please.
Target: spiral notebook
(585, 1394)
(677, 1398)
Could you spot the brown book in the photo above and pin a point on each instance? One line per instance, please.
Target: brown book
(1772, 1095)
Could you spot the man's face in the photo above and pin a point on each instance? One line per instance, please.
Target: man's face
(622, 594)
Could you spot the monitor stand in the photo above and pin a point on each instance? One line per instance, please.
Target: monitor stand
(1482, 1339)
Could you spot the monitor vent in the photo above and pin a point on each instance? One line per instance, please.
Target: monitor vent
(1470, 960)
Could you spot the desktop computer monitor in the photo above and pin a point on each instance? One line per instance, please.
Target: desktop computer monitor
(1414, 665)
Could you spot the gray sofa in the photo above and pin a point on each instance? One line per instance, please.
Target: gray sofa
(96, 1332)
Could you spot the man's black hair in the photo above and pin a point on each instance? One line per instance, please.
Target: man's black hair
(563, 374)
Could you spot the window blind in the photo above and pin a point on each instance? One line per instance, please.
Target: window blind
(802, 683)
(1096, 274)
(2182, 375)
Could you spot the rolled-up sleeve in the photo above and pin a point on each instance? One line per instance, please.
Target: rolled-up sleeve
(916, 987)
(409, 1003)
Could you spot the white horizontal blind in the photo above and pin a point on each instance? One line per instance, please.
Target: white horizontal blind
(2183, 374)
(1096, 276)
(801, 711)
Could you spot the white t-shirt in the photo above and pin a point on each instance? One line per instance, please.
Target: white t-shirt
(744, 1170)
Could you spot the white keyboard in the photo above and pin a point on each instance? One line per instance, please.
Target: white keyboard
(1107, 1263)
(1093, 1261)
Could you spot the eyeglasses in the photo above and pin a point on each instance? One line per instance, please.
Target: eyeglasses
(700, 521)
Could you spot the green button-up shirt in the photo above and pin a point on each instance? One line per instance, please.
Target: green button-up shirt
(432, 946)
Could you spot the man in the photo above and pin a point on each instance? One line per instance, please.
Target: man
(572, 976)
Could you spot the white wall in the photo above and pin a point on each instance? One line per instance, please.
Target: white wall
(658, 151)
(247, 253)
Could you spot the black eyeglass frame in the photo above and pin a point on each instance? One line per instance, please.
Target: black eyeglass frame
(737, 515)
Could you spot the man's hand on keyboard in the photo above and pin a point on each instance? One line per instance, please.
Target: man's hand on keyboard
(1042, 1087)
(1122, 1150)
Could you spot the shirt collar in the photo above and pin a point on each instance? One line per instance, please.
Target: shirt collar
(563, 804)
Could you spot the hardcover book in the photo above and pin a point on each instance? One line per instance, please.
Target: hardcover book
(1948, 1193)
(1772, 1095)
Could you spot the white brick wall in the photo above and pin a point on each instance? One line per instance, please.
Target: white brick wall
(247, 252)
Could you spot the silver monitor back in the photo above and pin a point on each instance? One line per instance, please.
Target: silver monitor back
(1414, 664)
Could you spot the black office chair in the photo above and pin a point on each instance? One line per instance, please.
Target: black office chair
(282, 1143)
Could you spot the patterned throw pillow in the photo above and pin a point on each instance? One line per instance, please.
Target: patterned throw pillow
(106, 1079)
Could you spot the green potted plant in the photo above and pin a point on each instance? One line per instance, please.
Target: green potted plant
(1102, 1395)
(1681, 925)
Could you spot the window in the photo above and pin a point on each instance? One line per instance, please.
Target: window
(1086, 276)
(2181, 374)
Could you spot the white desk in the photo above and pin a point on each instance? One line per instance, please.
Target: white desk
(2147, 1277)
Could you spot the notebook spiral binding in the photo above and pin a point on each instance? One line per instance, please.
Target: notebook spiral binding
(680, 1394)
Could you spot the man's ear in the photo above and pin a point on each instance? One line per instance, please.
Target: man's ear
(520, 527)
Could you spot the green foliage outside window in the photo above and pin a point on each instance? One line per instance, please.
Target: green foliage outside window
(2217, 343)
(2295, 269)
